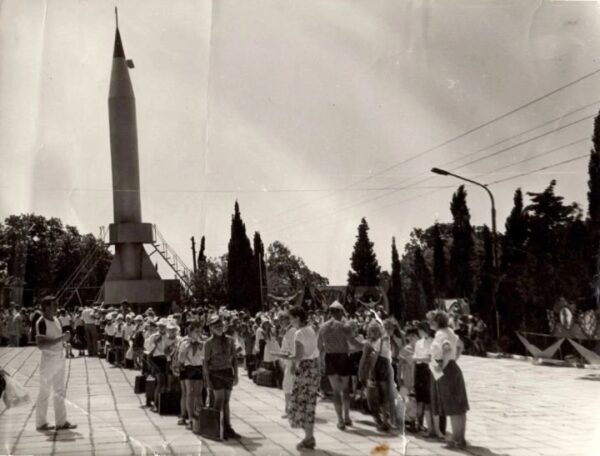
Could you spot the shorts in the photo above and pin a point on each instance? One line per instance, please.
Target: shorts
(381, 372)
(222, 379)
(159, 365)
(337, 364)
(109, 339)
(191, 373)
(66, 328)
(422, 383)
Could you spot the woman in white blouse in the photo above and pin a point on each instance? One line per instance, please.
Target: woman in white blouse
(448, 394)
(305, 368)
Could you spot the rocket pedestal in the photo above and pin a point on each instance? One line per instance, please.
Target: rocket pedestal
(131, 275)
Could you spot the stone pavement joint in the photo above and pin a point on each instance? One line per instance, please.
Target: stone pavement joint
(517, 409)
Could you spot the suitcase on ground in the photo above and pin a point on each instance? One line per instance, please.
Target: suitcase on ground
(140, 384)
(128, 363)
(168, 403)
(265, 377)
(150, 387)
(111, 356)
(209, 423)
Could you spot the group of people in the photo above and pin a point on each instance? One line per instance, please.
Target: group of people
(195, 354)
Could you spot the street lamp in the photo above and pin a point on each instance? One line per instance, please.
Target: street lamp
(443, 172)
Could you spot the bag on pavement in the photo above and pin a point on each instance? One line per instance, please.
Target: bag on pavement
(14, 394)
(209, 423)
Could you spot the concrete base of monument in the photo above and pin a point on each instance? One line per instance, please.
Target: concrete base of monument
(142, 293)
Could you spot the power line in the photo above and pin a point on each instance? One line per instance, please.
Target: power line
(449, 141)
(426, 179)
(516, 176)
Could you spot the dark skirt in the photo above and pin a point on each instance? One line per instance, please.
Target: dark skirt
(448, 393)
(222, 379)
(422, 383)
(304, 393)
(191, 373)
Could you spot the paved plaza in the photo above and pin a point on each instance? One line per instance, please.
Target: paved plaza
(517, 409)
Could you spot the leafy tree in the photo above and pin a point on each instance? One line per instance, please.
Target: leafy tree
(548, 219)
(242, 279)
(288, 272)
(365, 269)
(439, 263)
(460, 269)
(395, 290)
(39, 254)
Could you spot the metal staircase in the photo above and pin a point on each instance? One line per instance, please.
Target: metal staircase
(182, 272)
(78, 277)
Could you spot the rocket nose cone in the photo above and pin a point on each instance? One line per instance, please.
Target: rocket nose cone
(118, 52)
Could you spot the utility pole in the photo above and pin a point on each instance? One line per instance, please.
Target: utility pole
(195, 263)
(443, 172)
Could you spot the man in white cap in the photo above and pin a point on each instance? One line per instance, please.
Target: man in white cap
(50, 340)
(333, 342)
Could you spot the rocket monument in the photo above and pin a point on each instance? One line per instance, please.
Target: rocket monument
(131, 276)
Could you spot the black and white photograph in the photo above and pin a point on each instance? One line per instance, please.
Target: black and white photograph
(300, 227)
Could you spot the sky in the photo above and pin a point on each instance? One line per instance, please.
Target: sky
(312, 114)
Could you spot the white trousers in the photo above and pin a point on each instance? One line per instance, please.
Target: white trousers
(52, 377)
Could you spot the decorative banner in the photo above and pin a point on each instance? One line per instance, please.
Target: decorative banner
(590, 356)
(536, 352)
(566, 317)
(588, 322)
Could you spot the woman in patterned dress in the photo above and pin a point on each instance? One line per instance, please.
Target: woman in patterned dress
(305, 368)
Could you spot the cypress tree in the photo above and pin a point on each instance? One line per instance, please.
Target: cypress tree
(421, 292)
(259, 263)
(365, 269)
(515, 236)
(484, 300)
(241, 273)
(395, 291)
(439, 263)
(594, 179)
(462, 246)
(201, 254)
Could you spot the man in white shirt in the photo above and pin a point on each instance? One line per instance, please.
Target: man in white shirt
(91, 331)
(50, 340)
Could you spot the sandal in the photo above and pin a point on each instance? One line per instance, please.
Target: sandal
(44, 427)
(66, 426)
(308, 444)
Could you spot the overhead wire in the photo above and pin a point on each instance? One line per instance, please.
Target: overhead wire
(446, 142)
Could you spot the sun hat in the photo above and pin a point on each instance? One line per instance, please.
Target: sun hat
(138, 318)
(336, 305)
(162, 322)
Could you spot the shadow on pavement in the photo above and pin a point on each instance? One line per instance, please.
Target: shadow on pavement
(65, 436)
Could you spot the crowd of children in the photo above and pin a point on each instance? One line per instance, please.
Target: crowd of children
(403, 377)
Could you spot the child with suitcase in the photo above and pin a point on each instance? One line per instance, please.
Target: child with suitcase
(221, 372)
